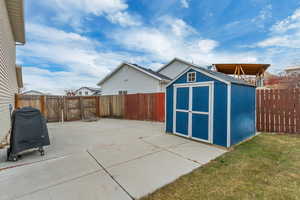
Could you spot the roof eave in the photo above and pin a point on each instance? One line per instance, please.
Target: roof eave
(19, 76)
(15, 9)
(197, 68)
(110, 74)
(130, 65)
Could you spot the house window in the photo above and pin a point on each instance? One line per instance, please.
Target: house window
(86, 93)
(191, 77)
(121, 92)
(80, 93)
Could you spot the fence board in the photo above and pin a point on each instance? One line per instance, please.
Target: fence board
(258, 109)
(297, 108)
(28, 100)
(150, 107)
(54, 108)
(263, 113)
(89, 107)
(73, 108)
(278, 110)
(104, 106)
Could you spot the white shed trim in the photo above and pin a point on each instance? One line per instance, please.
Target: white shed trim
(199, 70)
(228, 115)
(210, 85)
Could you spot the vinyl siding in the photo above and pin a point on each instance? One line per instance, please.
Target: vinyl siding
(132, 81)
(8, 82)
(174, 69)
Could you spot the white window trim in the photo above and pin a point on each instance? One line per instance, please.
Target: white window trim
(187, 79)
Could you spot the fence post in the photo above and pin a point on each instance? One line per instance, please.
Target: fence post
(16, 101)
(297, 110)
(97, 106)
(42, 103)
(81, 108)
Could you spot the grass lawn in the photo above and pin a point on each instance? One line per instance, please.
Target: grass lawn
(266, 167)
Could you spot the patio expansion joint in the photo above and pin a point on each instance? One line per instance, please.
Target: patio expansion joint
(110, 175)
(139, 157)
(56, 184)
(31, 163)
(177, 154)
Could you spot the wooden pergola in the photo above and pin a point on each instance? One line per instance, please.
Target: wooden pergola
(243, 71)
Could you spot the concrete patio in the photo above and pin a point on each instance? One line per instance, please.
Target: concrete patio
(109, 159)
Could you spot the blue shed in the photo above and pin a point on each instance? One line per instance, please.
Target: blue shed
(211, 107)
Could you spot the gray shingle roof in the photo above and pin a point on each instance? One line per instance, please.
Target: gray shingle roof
(152, 72)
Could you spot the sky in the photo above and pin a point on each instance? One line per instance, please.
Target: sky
(74, 43)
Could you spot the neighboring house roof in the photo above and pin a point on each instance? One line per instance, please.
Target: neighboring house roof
(294, 68)
(15, 9)
(169, 63)
(33, 91)
(153, 72)
(217, 75)
(95, 90)
(146, 71)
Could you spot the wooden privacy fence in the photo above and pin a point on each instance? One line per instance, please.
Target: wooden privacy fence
(278, 110)
(150, 107)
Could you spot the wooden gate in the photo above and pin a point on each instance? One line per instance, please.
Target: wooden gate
(73, 109)
(278, 110)
(89, 107)
(54, 108)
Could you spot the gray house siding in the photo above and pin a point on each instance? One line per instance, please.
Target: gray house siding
(8, 82)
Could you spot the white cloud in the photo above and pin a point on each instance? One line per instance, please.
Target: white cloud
(124, 19)
(73, 12)
(177, 26)
(161, 45)
(76, 56)
(290, 23)
(264, 14)
(290, 41)
(184, 3)
(96, 7)
(54, 82)
(285, 33)
(282, 47)
(47, 34)
(207, 45)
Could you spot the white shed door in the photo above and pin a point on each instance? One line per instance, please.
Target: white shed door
(193, 111)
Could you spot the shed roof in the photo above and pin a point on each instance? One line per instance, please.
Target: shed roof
(15, 9)
(215, 74)
(225, 77)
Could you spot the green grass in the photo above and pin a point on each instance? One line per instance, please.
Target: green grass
(266, 167)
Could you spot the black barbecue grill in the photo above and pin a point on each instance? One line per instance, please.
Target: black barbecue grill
(28, 131)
